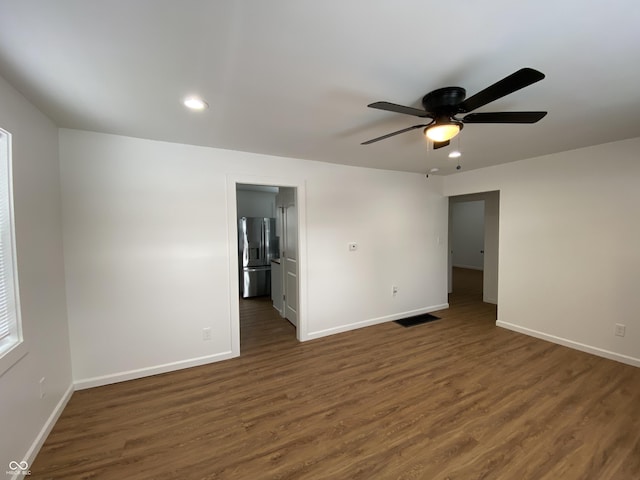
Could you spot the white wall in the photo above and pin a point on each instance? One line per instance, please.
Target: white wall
(467, 223)
(25, 417)
(569, 263)
(147, 251)
(256, 204)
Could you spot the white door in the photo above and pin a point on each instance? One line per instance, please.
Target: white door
(290, 264)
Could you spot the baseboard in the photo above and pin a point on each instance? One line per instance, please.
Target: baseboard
(147, 372)
(490, 300)
(374, 321)
(46, 429)
(279, 310)
(600, 352)
(469, 267)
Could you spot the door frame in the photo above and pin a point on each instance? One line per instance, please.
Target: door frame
(491, 241)
(232, 181)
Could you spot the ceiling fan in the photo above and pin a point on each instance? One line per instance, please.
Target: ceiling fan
(442, 106)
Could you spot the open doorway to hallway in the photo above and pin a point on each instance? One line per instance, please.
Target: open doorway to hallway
(473, 246)
(267, 264)
(467, 286)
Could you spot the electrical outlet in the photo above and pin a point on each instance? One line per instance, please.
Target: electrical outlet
(42, 387)
(206, 334)
(620, 329)
(394, 290)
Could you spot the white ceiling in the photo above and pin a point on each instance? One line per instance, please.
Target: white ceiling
(293, 77)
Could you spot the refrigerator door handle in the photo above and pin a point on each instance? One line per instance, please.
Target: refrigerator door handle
(263, 252)
(244, 243)
(257, 269)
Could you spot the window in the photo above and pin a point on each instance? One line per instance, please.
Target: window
(10, 329)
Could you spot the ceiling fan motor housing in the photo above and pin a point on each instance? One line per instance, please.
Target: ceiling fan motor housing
(444, 101)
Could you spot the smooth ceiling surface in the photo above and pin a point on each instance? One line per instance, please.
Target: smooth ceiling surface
(293, 77)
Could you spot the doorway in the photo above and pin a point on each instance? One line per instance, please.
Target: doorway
(474, 244)
(260, 315)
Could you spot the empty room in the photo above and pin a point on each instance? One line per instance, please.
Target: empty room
(319, 240)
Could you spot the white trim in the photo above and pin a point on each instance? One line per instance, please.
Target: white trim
(376, 321)
(149, 371)
(12, 356)
(600, 352)
(299, 184)
(232, 262)
(490, 300)
(46, 429)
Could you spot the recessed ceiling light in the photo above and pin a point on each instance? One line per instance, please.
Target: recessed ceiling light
(195, 103)
(434, 170)
(455, 154)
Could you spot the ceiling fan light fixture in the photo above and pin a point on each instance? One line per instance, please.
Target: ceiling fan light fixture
(441, 132)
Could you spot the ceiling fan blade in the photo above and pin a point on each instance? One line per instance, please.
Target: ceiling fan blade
(373, 140)
(504, 117)
(520, 79)
(392, 107)
(437, 145)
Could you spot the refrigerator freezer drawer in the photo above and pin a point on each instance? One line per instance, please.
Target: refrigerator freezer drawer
(256, 281)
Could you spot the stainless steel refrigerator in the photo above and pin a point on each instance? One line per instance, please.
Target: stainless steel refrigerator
(257, 245)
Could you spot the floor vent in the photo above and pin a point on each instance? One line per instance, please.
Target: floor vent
(417, 320)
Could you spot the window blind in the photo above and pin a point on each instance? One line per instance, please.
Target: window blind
(8, 313)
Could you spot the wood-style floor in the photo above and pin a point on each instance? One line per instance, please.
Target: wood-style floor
(452, 399)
